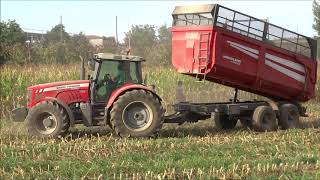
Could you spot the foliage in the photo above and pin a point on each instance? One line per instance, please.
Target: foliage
(16, 50)
(190, 151)
(58, 34)
(316, 13)
(151, 43)
(160, 53)
(15, 79)
(154, 44)
(142, 39)
(110, 45)
(11, 41)
(11, 33)
(78, 46)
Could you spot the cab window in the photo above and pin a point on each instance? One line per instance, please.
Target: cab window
(113, 74)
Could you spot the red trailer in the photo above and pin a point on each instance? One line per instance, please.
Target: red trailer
(221, 45)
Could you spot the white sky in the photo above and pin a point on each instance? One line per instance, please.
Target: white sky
(98, 17)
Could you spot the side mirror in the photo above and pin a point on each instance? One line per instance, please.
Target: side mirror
(91, 64)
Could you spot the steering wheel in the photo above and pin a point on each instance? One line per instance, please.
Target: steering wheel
(104, 81)
(107, 78)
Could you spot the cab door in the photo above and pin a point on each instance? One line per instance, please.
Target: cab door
(108, 79)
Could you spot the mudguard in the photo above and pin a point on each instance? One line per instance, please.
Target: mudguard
(116, 93)
(65, 106)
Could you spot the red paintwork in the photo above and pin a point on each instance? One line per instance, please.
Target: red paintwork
(67, 92)
(251, 75)
(70, 95)
(124, 88)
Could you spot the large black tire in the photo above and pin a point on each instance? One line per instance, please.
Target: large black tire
(224, 122)
(136, 113)
(264, 119)
(48, 119)
(289, 116)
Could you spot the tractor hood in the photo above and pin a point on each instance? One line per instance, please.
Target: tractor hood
(67, 92)
(59, 85)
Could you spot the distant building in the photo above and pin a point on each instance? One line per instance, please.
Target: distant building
(34, 37)
(95, 41)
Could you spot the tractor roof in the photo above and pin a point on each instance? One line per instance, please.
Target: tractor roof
(110, 56)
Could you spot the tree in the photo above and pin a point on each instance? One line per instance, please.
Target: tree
(11, 33)
(160, 54)
(316, 13)
(59, 37)
(110, 45)
(55, 34)
(142, 39)
(152, 44)
(12, 40)
(78, 45)
(164, 34)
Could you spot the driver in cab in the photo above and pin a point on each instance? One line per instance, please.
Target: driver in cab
(119, 78)
(109, 82)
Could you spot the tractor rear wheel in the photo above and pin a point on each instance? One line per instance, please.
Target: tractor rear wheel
(289, 116)
(264, 119)
(224, 121)
(136, 113)
(47, 119)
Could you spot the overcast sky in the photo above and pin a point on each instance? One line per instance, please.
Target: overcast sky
(98, 17)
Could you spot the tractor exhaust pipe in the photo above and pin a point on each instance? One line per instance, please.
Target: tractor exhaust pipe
(82, 71)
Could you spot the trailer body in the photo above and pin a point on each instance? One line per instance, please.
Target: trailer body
(221, 45)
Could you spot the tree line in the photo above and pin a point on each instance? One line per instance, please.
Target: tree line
(58, 46)
(154, 44)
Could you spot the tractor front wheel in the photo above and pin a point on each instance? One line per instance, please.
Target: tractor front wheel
(47, 119)
(136, 113)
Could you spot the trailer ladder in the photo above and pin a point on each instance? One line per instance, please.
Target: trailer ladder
(203, 41)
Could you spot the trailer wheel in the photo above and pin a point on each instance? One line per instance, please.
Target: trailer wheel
(246, 122)
(224, 121)
(289, 116)
(47, 119)
(136, 113)
(264, 119)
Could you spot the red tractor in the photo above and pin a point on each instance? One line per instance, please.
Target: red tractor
(115, 95)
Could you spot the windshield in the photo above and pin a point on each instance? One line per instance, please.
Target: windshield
(111, 74)
(129, 70)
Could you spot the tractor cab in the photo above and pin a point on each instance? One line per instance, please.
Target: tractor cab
(117, 79)
(111, 72)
